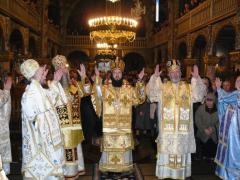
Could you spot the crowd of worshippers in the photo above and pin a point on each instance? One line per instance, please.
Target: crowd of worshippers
(62, 107)
(187, 5)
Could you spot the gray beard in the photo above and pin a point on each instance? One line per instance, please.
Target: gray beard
(65, 81)
(175, 81)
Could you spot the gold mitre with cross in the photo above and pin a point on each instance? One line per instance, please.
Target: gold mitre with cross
(173, 65)
(118, 64)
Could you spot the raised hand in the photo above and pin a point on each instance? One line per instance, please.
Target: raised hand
(207, 132)
(8, 83)
(157, 71)
(97, 71)
(195, 72)
(82, 71)
(218, 83)
(58, 74)
(141, 75)
(45, 71)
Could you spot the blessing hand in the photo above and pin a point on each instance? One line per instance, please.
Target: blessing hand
(141, 75)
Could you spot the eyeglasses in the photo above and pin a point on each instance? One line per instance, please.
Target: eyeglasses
(209, 99)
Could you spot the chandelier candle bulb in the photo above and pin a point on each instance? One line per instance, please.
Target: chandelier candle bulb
(113, 29)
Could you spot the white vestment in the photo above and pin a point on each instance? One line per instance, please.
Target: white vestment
(5, 145)
(175, 140)
(42, 146)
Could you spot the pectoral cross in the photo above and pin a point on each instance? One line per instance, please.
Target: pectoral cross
(125, 100)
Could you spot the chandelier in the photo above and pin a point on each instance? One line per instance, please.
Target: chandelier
(106, 46)
(106, 49)
(113, 0)
(112, 28)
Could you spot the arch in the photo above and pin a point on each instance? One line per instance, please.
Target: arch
(196, 36)
(133, 61)
(182, 51)
(159, 56)
(77, 57)
(181, 55)
(199, 47)
(32, 47)
(221, 25)
(198, 51)
(224, 41)
(16, 41)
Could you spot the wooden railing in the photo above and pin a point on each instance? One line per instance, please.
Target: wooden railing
(160, 37)
(206, 13)
(84, 41)
(22, 11)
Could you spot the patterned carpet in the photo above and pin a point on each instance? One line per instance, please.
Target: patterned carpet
(135, 175)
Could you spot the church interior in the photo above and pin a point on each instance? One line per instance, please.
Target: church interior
(143, 33)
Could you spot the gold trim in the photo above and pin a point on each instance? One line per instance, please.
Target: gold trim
(115, 168)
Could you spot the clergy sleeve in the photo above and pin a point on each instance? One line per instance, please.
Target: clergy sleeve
(57, 94)
(29, 107)
(224, 100)
(198, 90)
(4, 97)
(84, 88)
(96, 96)
(139, 93)
(153, 88)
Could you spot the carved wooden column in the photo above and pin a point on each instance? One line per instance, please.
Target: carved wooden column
(5, 25)
(209, 49)
(44, 39)
(25, 34)
(189, 46)
(62, 30)
(171, 18)
(155, 60)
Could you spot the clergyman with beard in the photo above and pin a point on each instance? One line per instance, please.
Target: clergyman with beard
(113, 100)
(175, 141)
(42, 143)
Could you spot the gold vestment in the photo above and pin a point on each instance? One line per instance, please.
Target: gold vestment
(116, 111)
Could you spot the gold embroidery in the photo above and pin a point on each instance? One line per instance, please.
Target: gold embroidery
(109, 99)
(175, 161)
(115, 160)
(176, 103)
(63, 115)
(115, 163)
(184, 107)
(71, 155)
(119, 121)
(117, 142)
(126, 100)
